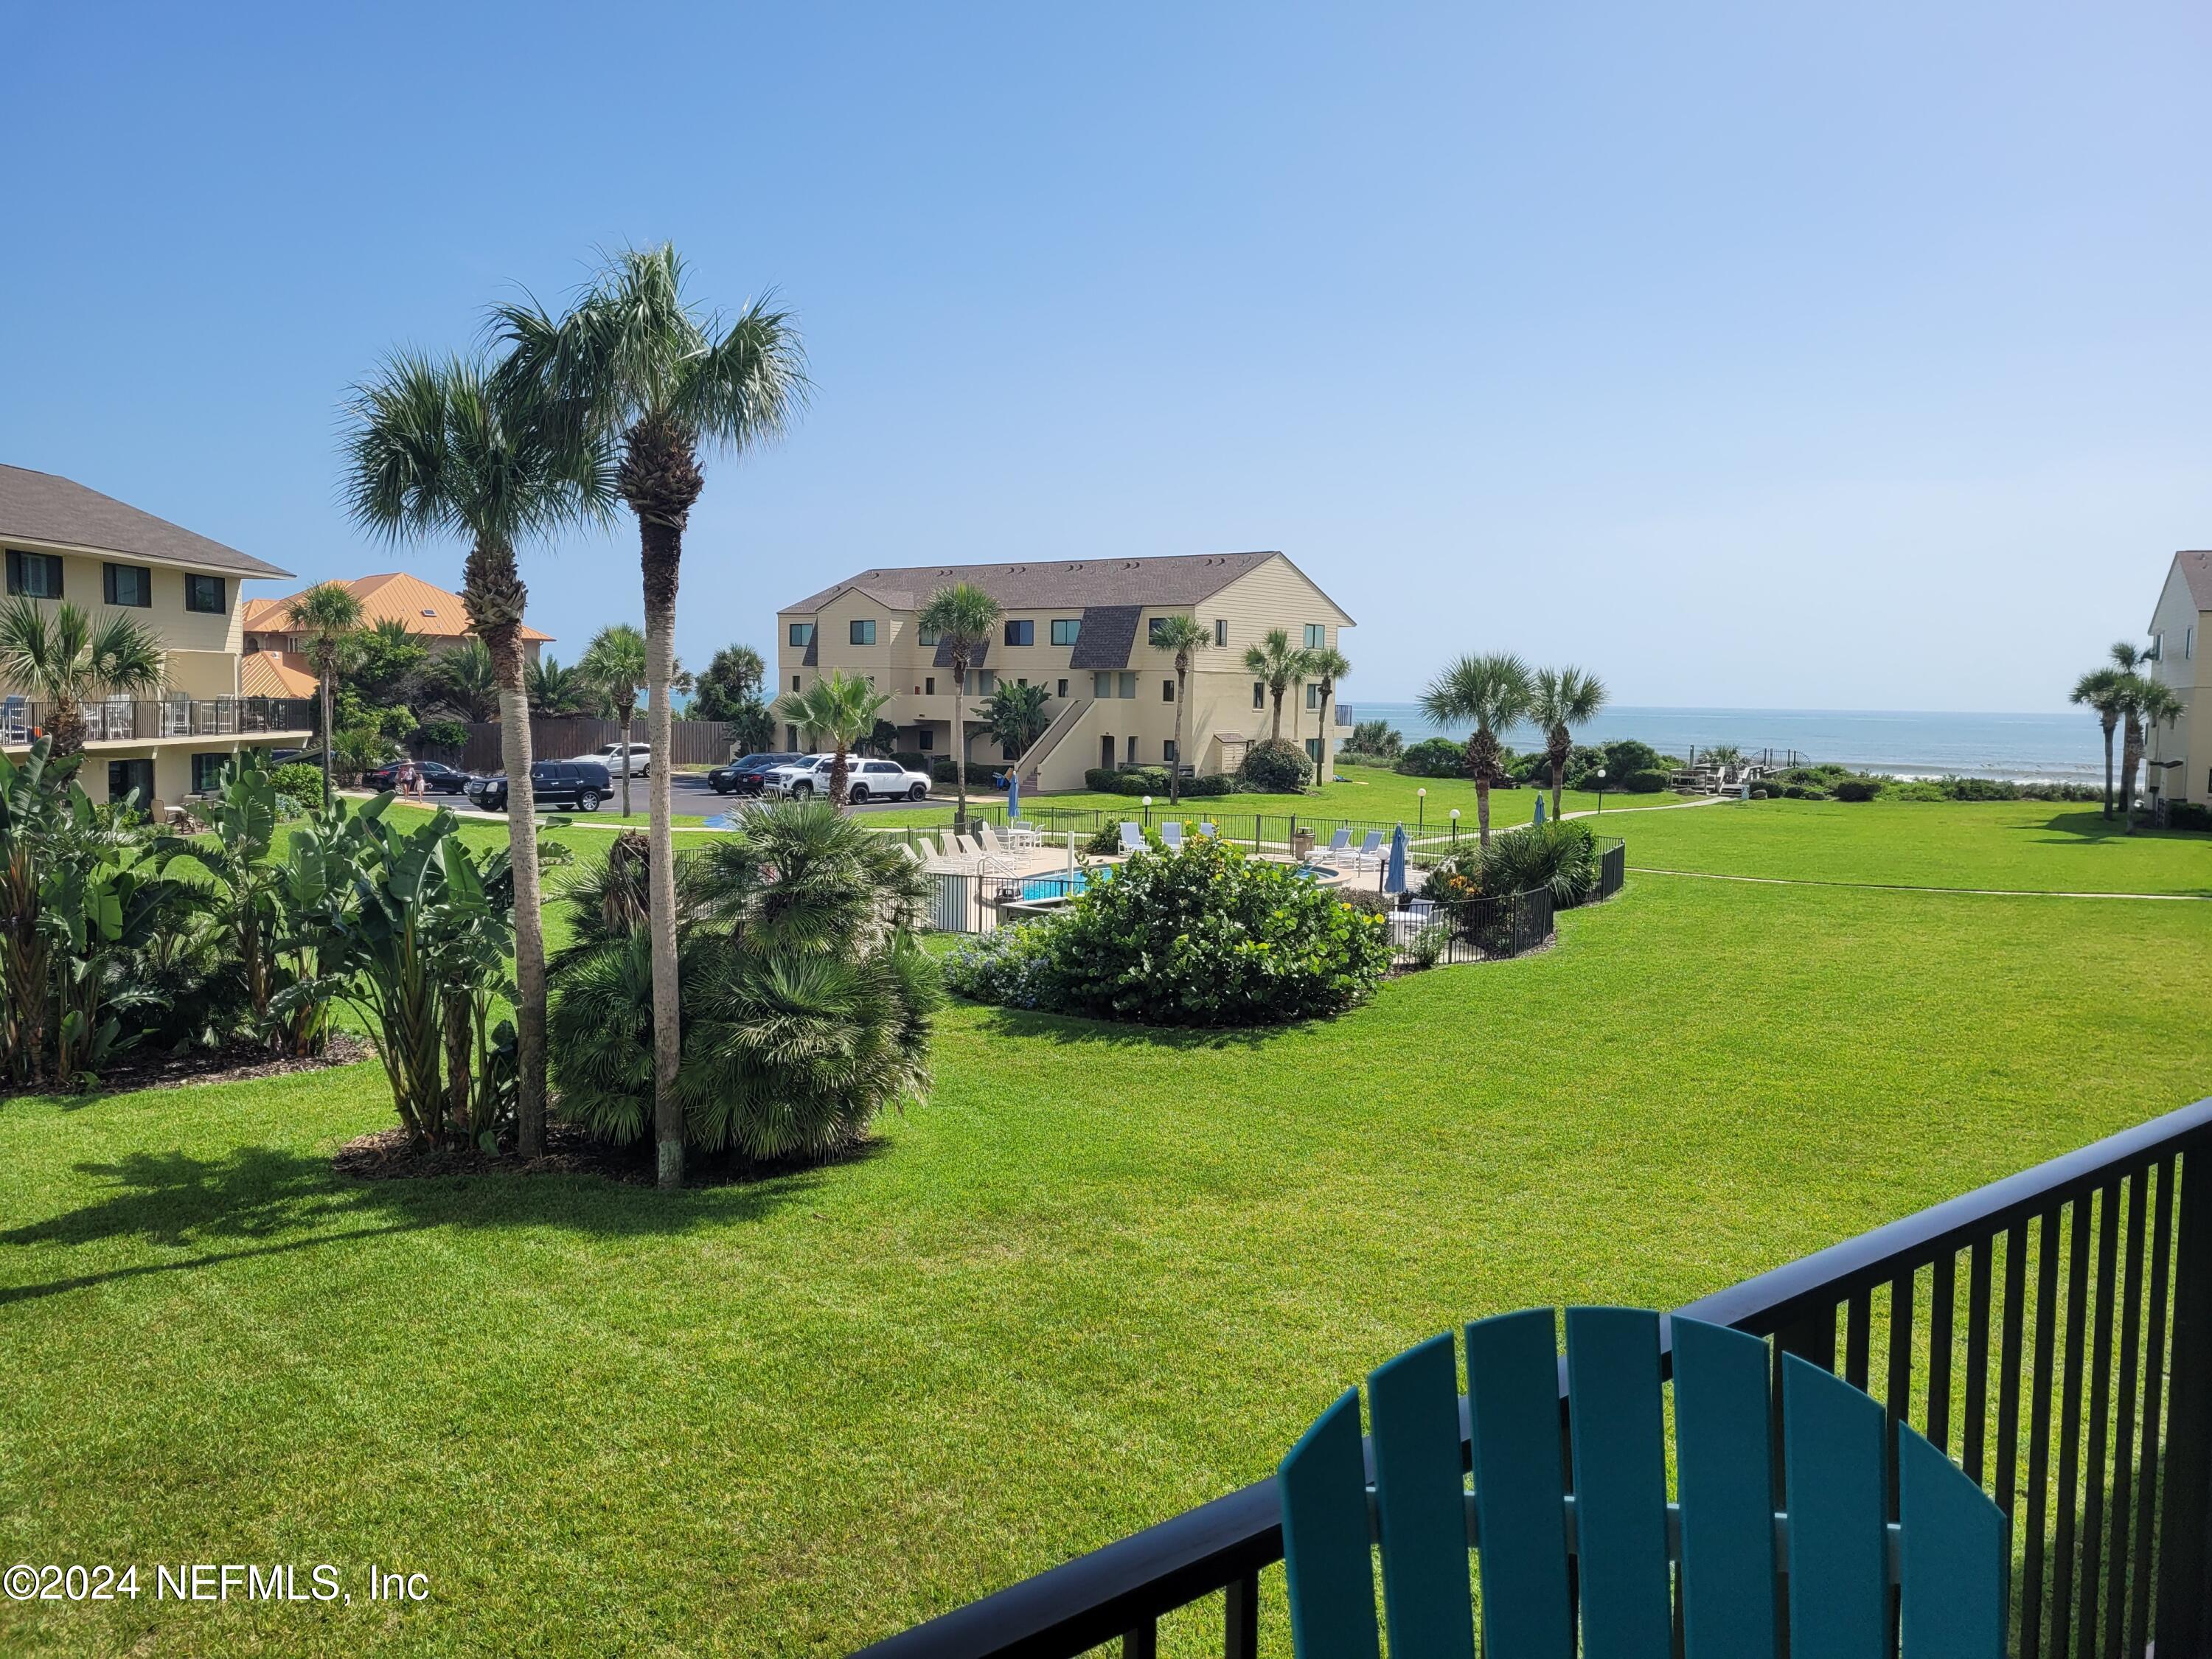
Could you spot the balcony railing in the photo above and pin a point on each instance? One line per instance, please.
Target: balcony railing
(2053, 1331)
(1344, 715)
(125, 719)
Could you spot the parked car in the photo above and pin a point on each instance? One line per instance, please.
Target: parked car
(438, 778)
(610, 756)
(864, 780)
(561, 784)
(743, 777)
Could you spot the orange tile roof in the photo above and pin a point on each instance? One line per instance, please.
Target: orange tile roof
(275, 674)
(428, 611)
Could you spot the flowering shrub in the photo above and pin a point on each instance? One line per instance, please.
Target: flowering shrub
(1202, 936)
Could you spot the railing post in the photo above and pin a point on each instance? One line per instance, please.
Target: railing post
(2184, 1554)
(1240, 1618)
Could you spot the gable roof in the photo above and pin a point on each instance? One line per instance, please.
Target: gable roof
(1173, 579)
(43, 507)
(430, 612)
(2194, 565)
(275, 674)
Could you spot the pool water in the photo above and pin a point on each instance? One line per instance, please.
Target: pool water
(1059, 886)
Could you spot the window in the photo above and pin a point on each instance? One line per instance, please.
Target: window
(1007, 751)
(1313, 696)
(1102, 686)
(204, 593)
(1167, 691)
(1221, 630)
(125, 775)
(981, 682)
(1316, 636)
(1259, 694)
(207, 771)
(862, 631)
(1313, 754)
(802, 634)
(1021, 633)
(127, 584)
(1063, 688)
(929, 685)
(2189, 642)
(34, 575)
(1153, 629)
(791, 738)
(1129, 684)
(1064, 628)
(1168, 751)
(930, 636)
(1131, 745)
(795, 682)
(879, 768)
(923, 739)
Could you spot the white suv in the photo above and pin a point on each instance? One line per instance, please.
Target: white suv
(610, 756)
(864, 780)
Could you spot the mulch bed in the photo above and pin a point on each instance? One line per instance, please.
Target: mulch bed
(387, 1155)
(137, 1069)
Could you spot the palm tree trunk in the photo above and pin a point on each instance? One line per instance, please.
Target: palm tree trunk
(837, 777)
(67, 728)
(529, 922)
(1560, 749)
(329, 742)
(1482, 809)
(663, 548)
(2130, 752)
(960, 743)
(2109, 724)
(1175, 766)
(1275, 732)
(628, 715)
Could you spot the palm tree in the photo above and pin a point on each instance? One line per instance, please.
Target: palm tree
(2099, 689)
(1186, 636)
(2155, 705)
(1279, 664)
(1492, 691)
(450, 448)
(962, 617)
(551, 690)
(326, 621)
(64, 658)
(1014, 718)
(1560, 699)
(616, 662)
(1328, 665)
(840, 709)
(635, 364)
(466, 680)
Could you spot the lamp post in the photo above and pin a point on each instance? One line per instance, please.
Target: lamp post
(1454, 821)
(1601, 789)
(1420, 809)
(1148, 811)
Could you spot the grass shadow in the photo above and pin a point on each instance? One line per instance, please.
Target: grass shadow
(1070, 1030)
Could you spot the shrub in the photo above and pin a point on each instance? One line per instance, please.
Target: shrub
(1561, 855)
(301, 779)
(1650, 781)
(1427, 948)
(1206, 936)
(913, 759)
(978, 774)
(1434, 757)
(1275, 766)
(1105, 841)
(1210, 785)
(2188, 815)
(1456, 876)
(805, 1000)
(1625, 757)
(1857, 788)
(1010, 967)
(442, 734)
(1377, 738)
(1132, 780)
(1367, 901)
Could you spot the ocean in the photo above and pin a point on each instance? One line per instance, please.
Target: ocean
(2055, 747)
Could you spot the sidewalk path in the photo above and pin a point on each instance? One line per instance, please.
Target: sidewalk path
(1912, 887)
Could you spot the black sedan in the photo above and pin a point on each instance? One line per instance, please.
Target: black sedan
(744, 776)
(438, 778)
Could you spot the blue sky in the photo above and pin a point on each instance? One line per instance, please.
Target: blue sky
(1838, 357)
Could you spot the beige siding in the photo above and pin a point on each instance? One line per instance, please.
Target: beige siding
(2180, 628)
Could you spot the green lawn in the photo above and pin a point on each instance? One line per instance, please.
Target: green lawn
(1100, 1276)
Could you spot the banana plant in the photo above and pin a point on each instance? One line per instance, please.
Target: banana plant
(242, 817)
(107, 903)
(35, 795)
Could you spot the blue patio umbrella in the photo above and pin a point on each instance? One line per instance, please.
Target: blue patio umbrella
(1540, 812)
(1013, 796)
(1394, 874)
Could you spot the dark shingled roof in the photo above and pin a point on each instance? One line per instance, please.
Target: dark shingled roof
(1178, 579)
(1104, 639)
(40, 507)
(2196, 570)
(976, 658)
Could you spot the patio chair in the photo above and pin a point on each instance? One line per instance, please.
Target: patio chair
(1947, 1553)
(998, 858)
(1208, 831)
(15, 719)
(1339, 844)
(1133, 838)
(1368, 855)
(1171, 835)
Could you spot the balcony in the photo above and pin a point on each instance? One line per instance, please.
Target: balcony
(124, 720)
(1343, 714)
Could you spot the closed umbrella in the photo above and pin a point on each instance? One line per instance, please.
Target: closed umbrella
(1540, 812)
(1013, 796)
(1393, 873)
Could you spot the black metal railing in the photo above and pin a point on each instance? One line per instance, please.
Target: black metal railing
(2053, 1331)
(1488, 929)
(128, 720)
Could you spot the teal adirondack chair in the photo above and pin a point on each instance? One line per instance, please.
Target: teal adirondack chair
(1828, 1559)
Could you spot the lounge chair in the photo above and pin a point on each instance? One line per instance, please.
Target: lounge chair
(1208, 831)
(1369, 854)
(1133, 838)
(998, 858)
(1338, 847)
(1171, 835)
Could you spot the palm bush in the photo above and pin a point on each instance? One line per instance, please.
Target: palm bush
(1561, 855)
(65, 659)
(805, 1000)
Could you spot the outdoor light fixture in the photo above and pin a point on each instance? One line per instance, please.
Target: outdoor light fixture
(1601, 789)
(1420, 809)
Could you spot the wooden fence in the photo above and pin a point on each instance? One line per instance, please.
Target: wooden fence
(696, 742)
